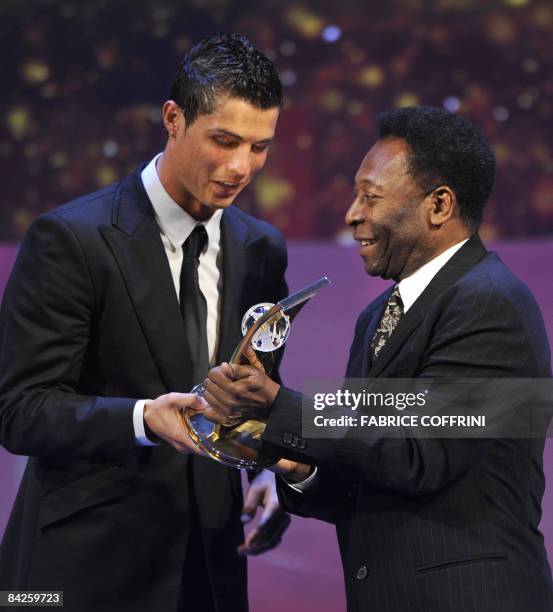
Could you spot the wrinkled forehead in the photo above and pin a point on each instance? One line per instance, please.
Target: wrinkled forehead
(386, 161)
(239, 117)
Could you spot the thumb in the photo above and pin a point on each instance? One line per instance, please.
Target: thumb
(235, 371)
(194, 402)
(253, 359)
(198, 402)
(270, 505)
(253, 499)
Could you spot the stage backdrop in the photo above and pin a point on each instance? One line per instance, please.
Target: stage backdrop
(305, 572)
(87, 81)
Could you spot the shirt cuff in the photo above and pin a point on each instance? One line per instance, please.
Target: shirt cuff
(140, 436)
(304, 485)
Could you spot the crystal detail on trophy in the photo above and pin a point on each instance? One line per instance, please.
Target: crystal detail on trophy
(265, 328)
(272, 335)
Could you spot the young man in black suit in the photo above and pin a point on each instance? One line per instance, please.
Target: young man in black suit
(127, 294)
(424, 524)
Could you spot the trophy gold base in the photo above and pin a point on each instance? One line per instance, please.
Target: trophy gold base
(236, 446)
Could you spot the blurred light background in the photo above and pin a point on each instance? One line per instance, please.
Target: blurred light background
(83, 85)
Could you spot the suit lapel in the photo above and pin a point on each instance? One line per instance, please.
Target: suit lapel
(135, 242)
(238, 249)
(463, 260)
(377, 310)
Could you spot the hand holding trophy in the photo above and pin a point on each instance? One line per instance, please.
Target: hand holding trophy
(265, 328)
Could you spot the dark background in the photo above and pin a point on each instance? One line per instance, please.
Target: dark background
(83, 84)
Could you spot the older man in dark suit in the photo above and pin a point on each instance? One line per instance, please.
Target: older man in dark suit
(127, 294)
(424, 524)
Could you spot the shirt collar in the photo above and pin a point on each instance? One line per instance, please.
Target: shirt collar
(410, 288)
(173, 220)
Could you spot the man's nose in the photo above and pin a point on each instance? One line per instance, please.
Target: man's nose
(239, 164)
(353, 215)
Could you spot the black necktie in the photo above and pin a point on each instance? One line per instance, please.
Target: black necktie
(192, 303)
(390, 318)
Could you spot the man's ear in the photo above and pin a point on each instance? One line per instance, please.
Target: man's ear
(442, 205)
(173, 118)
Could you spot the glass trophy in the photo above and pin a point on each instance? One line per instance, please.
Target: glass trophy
(265, 328)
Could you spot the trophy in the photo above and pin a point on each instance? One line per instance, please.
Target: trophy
(265, 328)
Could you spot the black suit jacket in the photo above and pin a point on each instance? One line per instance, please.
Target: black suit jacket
(90, 323)
(436, 525)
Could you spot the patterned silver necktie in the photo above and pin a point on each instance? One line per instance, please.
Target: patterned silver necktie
(392, 314)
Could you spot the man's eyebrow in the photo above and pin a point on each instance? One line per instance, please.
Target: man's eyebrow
(368, 182)
(238, 137)
(226, 132)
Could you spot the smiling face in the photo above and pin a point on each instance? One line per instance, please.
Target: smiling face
(208, 163)
(389, 214)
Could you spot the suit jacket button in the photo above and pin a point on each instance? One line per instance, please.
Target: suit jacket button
(287, 438)
(362, 573)
(294, 441)
(301, 443)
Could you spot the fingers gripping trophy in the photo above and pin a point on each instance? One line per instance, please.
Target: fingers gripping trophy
(265, 329)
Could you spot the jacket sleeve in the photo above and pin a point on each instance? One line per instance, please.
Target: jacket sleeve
(323, 499)
(276, 271)
(481, 336)
(45, 324)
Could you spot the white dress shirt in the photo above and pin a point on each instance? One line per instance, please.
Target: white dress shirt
(175, 225)
(410, 289)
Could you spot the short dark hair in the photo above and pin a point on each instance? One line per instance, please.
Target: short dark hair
(445, 149)
(226, 64)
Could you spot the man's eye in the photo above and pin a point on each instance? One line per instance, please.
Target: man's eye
(224, 142)
(260, 148)
(365, 196)
(369, 196)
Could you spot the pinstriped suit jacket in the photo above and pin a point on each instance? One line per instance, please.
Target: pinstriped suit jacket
(436, 525)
